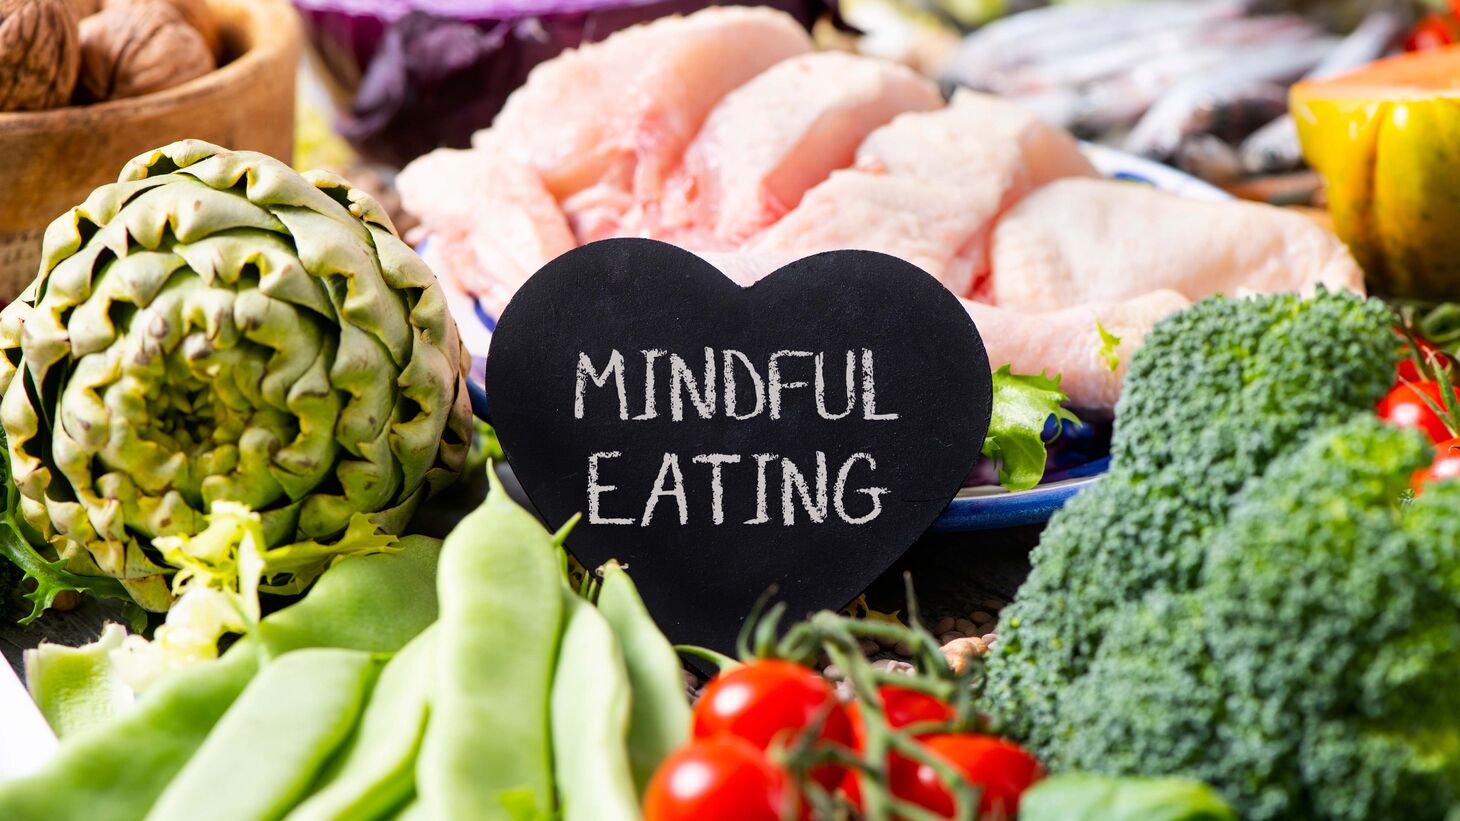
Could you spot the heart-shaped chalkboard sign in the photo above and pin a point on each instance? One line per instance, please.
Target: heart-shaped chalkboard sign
(719, 439)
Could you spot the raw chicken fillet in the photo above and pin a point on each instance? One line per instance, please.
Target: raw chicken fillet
(928, 187)
(1076, 241)
(605, 124)
(777, 136)
(723, 133)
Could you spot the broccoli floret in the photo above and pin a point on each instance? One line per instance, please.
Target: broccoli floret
(1215, 393)
(1312, 672)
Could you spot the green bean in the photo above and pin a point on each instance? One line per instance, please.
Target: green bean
(590, 720)
(410, 811)
(375, 773)
(660, 717)
(486, 753)
(273, 741)
(116, 770)
(78, 687)
(374, 603)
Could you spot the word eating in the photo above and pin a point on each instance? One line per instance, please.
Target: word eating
(729, 385)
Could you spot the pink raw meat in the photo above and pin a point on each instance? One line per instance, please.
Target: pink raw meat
(495, 221)
(924, 222)
(1067, 342)
(775, 137)
(928, 186)
(977, 139)
(1078, 241)
(605, 124)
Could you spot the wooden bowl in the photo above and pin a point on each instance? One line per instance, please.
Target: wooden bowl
(51, 160)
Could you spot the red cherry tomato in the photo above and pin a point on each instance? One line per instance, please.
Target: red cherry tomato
(902, 707)
(1433, 31)
(1000, 769)
(766, 700)
(717, 779)
(1405, 407)
(1445, 466)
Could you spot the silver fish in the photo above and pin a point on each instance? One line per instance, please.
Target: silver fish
(1053, 32)
(1191, 107)
(1274, 147)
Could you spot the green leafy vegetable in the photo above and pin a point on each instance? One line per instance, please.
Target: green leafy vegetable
(1109, 348)
(1344, 707)
(489, 744)
(116, 771)
(251, 767)
(1215, 393)
(51, 578)
(218, 582)
(1287, 628)
(1023, 405)
(217, 327)
(78, 687)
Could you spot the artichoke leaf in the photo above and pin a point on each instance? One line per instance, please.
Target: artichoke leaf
(217, 327)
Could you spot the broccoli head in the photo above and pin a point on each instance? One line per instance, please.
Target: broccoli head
(1312, 672)
(1215, 393)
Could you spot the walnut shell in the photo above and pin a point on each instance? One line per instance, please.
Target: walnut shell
(137, 48)
(197, 13)
(40, 50)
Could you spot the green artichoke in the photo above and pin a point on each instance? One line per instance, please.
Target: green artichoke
(216, 326)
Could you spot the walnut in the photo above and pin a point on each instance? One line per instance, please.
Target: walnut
(197, 13)
(138, 48)
(40, 50)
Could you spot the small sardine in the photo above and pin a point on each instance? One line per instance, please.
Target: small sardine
(1274, 147)
(1057, 31)
(1192, 105)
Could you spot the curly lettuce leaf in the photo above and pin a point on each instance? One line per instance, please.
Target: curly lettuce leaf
(221, 572)
(1109, 348)
(1023, 405)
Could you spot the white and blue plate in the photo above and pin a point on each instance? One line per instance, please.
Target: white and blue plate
(979, 507)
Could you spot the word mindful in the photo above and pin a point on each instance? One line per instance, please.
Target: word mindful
(729, 385)
(727, 376)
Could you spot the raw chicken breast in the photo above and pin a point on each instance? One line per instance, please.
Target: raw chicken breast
(929, 186)
(978, 139)
(1078, 241)
(493, 219)
(924, 222)
(605, 124)
(775, 137)
(1067, 342)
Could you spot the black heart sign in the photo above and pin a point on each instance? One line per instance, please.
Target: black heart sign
(718, 439)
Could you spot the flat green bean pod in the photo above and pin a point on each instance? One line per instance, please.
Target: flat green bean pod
(487, 752)
(374, 603)
(273, 741)
(375, 772)
(659, 719)
(409, 812)
(590, 720)
(116, 771)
